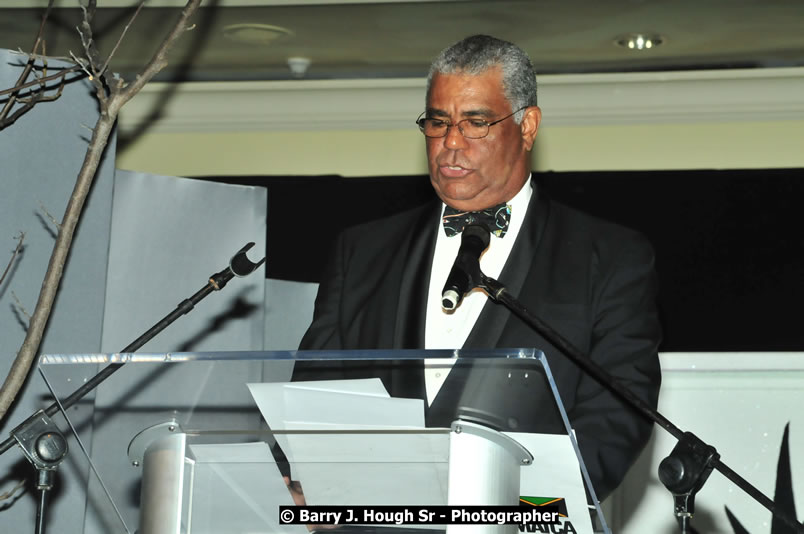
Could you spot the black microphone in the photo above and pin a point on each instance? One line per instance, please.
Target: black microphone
(465, 273)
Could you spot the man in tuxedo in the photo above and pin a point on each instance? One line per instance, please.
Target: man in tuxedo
(591, 280)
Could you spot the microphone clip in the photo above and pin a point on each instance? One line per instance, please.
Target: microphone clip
(466, 274)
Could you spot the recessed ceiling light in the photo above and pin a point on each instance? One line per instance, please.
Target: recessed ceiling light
(639, 41)
(251, 33)
(298, 65)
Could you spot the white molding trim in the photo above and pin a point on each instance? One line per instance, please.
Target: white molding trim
(731, 362)
(566, 100)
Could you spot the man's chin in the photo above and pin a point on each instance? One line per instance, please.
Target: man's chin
(465, 204)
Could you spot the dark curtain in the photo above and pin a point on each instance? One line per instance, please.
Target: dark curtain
(729, 244)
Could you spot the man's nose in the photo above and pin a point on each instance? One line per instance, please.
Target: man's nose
(454, 140)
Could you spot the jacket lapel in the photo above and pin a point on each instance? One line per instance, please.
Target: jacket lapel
(409, 325)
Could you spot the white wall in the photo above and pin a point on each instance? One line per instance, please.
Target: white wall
(739, 403)
(681, 120)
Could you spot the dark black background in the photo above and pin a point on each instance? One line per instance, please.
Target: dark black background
(729, 244)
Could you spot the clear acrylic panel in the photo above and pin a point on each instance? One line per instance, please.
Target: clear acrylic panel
(190, 419)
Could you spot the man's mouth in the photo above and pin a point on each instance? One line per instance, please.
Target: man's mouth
(453, 171)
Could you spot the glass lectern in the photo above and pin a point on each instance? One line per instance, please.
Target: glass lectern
(218, 442)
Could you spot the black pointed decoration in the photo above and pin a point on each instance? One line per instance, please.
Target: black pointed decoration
(784, 488)
(735, 524)
(783, 497)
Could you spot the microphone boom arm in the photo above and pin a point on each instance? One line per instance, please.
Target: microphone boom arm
(239, 265)
(683, 474)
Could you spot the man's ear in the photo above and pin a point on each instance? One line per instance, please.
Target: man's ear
(530, 125)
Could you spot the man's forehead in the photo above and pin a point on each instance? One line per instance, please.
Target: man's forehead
(466, 94)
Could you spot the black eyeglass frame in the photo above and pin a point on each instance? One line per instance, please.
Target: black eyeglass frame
(422, 118)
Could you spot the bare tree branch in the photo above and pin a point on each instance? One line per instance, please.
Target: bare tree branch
(17, 250)
(122, 36)
(52, 219)
(82, 64)
(40, 34)
(21, 307)
(40, 96)
(35, 97)
(19, 112)
(85, 32)
(110, 107)
(43, 79)
(159, 59)
(10, 493)
(25, 72)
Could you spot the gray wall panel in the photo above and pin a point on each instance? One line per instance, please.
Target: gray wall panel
(169, 235)
(41, 155)
(288, 313)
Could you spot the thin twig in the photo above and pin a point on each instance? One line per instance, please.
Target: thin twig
(40, 96)
(14, 255)
(31, 101)
(159, 59)
(89, 50)
(28, 66)
(39, 81)
(19, 112)
(81, 65)
(87, 39)
(122, 35)
(41, 31)
(45, 98)
(10, 493)
(92, 65)
(21, 52)
(21, 307)
(13, 98)
(53, 220)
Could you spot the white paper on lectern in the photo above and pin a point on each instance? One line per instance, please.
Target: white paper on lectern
(363, 402)
(307, 405)
(270, 397)
(360, 386)
(243, 489)
(404, 468)
(555, 472)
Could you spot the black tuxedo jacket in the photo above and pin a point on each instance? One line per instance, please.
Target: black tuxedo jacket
(591, 280)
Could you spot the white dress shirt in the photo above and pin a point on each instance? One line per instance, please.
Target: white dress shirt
(449, 330)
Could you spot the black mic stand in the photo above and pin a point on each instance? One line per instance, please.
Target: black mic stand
(39, 438)
(690, 463)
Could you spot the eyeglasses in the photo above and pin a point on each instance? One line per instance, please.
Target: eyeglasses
(469, 128)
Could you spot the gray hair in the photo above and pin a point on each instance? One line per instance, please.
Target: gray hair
(479, 53)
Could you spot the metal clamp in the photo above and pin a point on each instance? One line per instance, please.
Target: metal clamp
(43, 444)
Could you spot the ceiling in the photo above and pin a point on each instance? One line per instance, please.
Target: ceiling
(391, 39)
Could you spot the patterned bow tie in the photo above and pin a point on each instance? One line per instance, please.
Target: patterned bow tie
(495, 218)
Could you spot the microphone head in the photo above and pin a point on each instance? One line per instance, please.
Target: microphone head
(465, 273)
(477, 231)
(475, 239)
(450, 299)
